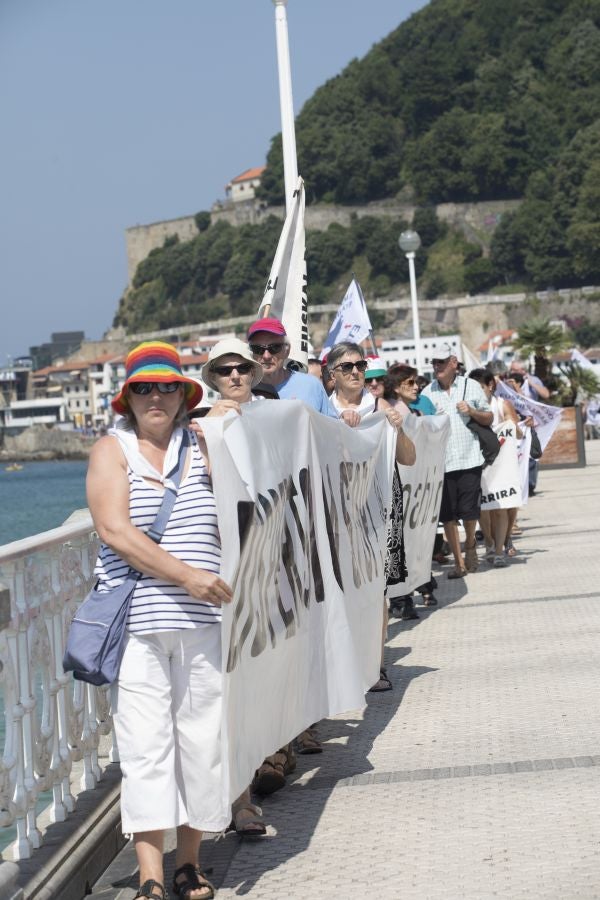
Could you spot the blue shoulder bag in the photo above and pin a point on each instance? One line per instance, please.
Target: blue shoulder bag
(96, 638)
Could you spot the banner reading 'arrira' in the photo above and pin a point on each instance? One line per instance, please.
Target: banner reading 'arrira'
(303, 505)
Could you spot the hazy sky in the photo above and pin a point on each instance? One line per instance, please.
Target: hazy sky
(124, 112)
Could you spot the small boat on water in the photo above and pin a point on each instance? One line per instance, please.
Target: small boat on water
(13, 467)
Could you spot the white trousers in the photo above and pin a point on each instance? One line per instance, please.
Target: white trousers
(167, 717)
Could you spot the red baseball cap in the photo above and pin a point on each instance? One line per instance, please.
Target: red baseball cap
(272, 325)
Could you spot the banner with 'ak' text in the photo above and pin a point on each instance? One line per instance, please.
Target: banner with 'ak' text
(303, 506)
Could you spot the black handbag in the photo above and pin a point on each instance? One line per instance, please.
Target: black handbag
(96, 638)
(535, 450)
(489, 442)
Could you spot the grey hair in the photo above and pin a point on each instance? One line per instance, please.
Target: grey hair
(336, 353)
(496, 367)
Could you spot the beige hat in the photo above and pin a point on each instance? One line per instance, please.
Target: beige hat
(444, 351)
(224, 348)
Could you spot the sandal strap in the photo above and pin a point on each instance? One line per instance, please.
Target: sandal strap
(195, 879)
(147, 890)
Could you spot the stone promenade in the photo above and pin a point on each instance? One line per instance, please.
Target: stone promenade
(478, 776)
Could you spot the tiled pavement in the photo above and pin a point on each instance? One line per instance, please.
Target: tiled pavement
(478, 776)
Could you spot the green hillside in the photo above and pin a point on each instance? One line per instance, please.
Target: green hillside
(468, 100)
(464, 101)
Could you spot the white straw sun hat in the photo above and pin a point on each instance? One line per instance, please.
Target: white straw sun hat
(225, 348)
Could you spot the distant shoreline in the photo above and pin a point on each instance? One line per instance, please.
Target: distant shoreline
(43, 456)
(41, 444)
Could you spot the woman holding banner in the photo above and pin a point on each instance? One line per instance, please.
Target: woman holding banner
(167, 700)
(496, 523)
(401, 389)
(353, 402)
(232, 371)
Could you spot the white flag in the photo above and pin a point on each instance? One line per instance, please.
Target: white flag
(285, 292)
(352, 321)
(581, 360)
(492, 351)
(469, 359)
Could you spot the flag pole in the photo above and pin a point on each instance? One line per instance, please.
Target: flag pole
(286, 103)
(371, 334)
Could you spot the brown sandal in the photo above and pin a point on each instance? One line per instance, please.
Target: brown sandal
(307, 743)
(195, 880)
(148, 890)
(471, 559)
(247, 819)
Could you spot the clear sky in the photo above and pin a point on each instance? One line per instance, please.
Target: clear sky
(125, 112)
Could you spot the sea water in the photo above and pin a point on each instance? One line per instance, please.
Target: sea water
(40, 496)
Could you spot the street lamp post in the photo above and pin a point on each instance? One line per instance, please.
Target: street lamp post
(410, 242)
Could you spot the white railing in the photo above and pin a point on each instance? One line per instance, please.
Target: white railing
(51, 720)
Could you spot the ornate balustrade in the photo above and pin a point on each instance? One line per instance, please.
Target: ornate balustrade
(51, 719)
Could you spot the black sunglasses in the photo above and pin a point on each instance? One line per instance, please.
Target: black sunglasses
(259, 349)
(347, 367)
(225, 371)
(146, 387)
(375, 379)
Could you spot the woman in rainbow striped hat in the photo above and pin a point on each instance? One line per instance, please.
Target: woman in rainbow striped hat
(167, 699)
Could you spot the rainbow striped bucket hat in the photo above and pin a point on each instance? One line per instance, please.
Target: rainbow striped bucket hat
(155, 361)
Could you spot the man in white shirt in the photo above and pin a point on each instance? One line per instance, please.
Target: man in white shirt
(461, 399)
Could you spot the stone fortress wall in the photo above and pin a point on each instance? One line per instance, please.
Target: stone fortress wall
(477, 221)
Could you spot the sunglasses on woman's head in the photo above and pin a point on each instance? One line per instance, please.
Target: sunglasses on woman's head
(347, 367)
(260, 349)
(240, 368)
(146, 387)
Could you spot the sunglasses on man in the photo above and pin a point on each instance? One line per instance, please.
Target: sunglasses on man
(146, 387)
(261, 349)
(226, 371)
(347, 367)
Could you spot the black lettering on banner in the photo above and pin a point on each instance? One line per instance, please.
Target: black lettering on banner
(369, 530)
(332, 527)
(354, 480)
(260, 583)
(425, 504)
(278, 539)
(267, 565)
(437, 500)
(304, 314)
(316, 579)
(414, 510)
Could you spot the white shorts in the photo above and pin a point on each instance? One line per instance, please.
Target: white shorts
(167, 716)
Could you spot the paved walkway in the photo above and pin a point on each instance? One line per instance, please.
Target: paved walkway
(478, 776)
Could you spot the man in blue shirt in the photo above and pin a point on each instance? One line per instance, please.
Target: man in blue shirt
(269, 345)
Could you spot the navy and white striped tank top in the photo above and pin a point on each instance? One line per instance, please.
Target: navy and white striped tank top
(191, 535)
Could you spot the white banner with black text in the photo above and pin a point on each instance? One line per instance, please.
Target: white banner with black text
(422, 495)
(501, 482)
(303, 507)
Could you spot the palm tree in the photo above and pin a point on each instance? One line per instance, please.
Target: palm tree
(542, 339)
(580, 383)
